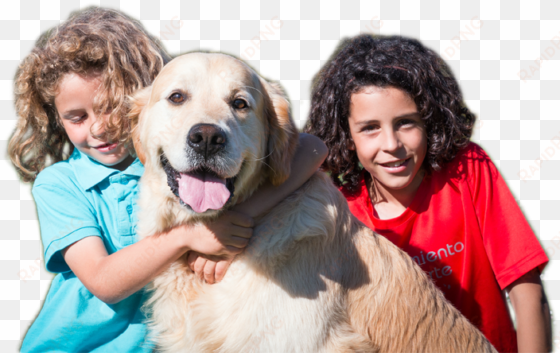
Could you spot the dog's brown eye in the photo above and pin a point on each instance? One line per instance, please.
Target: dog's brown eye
(239, 104)
(177, 98)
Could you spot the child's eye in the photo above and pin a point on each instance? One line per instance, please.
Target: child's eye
(368, 128)
(79, 119)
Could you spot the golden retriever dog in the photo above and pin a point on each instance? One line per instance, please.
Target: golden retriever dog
(313, 278)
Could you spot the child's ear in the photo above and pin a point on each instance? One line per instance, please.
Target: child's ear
(137, 103)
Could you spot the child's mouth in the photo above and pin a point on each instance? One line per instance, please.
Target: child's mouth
(395, 167)
(106, 147)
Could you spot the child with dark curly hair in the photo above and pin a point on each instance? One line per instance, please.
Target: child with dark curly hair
(392, 115)
(73, 140)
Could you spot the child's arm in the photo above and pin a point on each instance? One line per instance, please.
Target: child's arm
(309, 156)
(112, 278)
(532, 313)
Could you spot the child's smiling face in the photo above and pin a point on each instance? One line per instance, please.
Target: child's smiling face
(74, 103)
(389, 137)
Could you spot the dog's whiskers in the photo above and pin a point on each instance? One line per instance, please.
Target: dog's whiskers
(258, 159)
(262, 161)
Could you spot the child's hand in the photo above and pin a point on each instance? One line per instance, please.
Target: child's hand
(211, 271)
(223, 238)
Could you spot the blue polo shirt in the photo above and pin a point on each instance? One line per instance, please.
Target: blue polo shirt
(79, 198)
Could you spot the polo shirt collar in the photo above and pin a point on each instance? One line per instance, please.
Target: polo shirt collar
(89, 172)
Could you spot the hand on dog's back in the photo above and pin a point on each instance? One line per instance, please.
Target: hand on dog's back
(215, 244)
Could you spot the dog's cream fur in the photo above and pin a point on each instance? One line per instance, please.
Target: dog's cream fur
(313, 278)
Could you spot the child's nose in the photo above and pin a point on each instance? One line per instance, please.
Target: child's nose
(97, 124)
(391, 140)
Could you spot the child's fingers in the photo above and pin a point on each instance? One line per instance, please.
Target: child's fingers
(241, 232)
(209, 270)
(221, 268)
(199, 267)
(236, 242)
(191, 259)
(240, 219)
(232, 250)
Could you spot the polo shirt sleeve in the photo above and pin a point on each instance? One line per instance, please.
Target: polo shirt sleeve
(511, 245)
(65, 216)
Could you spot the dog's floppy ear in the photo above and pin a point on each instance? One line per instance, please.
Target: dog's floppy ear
(282, 133)
(136, 106)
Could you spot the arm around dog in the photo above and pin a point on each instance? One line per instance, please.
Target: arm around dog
(309, 156)
(112, 278)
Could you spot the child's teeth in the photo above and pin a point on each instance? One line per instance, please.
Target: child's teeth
(396, 164)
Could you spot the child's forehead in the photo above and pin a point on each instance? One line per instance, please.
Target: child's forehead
(71, 81)
(370, 89)
(76, 85)
(71, 76)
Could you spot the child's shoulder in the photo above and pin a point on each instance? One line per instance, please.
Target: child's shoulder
(67, 176)
(471, 153)
(77, 171)
(471, 165)
(59, 174)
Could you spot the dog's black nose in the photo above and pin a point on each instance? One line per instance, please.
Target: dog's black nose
(206, 139)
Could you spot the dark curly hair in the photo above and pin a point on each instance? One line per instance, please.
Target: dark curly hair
(380, 61)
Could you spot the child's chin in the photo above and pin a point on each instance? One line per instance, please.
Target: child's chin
(109, 160)
(396, 182)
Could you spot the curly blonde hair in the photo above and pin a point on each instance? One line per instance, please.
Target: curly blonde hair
(94, 40)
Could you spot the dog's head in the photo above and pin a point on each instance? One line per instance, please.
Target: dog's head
(211, 130)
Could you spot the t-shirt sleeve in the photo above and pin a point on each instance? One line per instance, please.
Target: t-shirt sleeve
(511, 245)
(65, 216)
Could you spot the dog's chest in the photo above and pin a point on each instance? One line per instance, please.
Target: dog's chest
(276, 297)
(249, 312)
(280, 295)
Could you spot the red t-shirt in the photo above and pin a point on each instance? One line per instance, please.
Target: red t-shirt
(466, 231)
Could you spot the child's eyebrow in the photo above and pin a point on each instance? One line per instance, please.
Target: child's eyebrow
(408, 115)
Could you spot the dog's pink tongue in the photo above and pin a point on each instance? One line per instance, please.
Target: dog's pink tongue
(203, 191)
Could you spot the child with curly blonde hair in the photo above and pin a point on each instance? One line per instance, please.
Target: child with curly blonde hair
(73, 141)
(398, 133)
